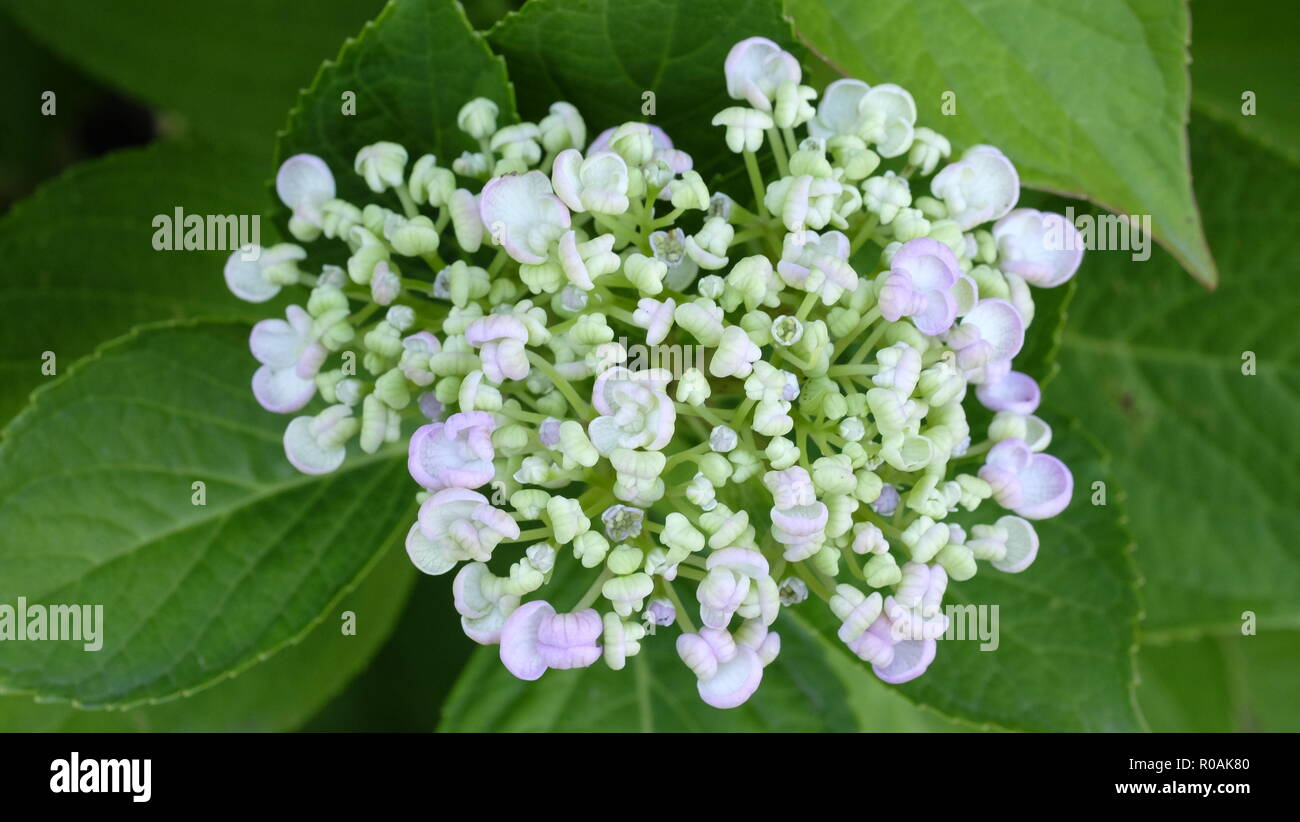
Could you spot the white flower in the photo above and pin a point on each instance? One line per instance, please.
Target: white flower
(520, 212)
(518, 142)
(886, 195)
(837, 112)
(478, 118)
(817, 264)
(463, 524)
(981, 186)
(1044, 249)
(928, 148)
(597, 184)
(708, 247)
(635, 411)
(259, 279)
(735, 355)
(655, 317)
(584, 262)
(315, 445)
(745, 127)
(888, 116)
(755, 68)
(382, 165)
(304, 184)
(501, 339)
(563, 128)
(290, 360)
(803, 202)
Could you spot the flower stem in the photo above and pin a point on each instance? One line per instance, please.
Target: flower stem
(756, 180)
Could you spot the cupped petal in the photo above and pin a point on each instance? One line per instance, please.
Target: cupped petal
(281, 390)
(1046, 487)
(735, 681)
(426, 554)
(1000, 325)
(911, 659)
(519, 641)
(304, 179)
(1021, 545)
(1016, 392)
(305, 453)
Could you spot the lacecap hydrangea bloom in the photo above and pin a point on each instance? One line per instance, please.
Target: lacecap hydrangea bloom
(805, 436)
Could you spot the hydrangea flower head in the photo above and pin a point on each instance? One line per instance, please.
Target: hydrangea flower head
(632, 406)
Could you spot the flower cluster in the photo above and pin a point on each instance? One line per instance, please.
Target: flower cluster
(808, 436)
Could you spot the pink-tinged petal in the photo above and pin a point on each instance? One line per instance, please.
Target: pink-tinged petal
(1005, 484)
(426, 554)
(1000, 325)
(280, 390)
(304, 178)
(569, 640)
(1043, 248)
(274, 343)
(1047, 486)
(911, 658)
(1011, 454)
(457, 453)
(735, 681)
(519, 642)
(930, 263)
(1016, 392)
(312, 358)
(1022, 545)
(940, 309)
(520, 212)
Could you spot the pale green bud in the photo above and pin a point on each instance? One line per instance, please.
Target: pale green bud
(391, 387)
(693, 387)
(379, 424)
(590, 548)
(625, 559)
(690, 192)
(781, 453)
(646, 273)
(882, 570)
(567, 519)
(529, 502)
(478, 118)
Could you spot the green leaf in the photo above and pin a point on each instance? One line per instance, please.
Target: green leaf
(603, 57)
(1234, 53)
(655, 692)
(230, 68)
(411, 70)
(1066, 629)
(403, 689)
(877, 707)
(276, 695)
(1222, 683)
(81, 259)
(1209, 457)
(96, 508)
(1088, 99)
